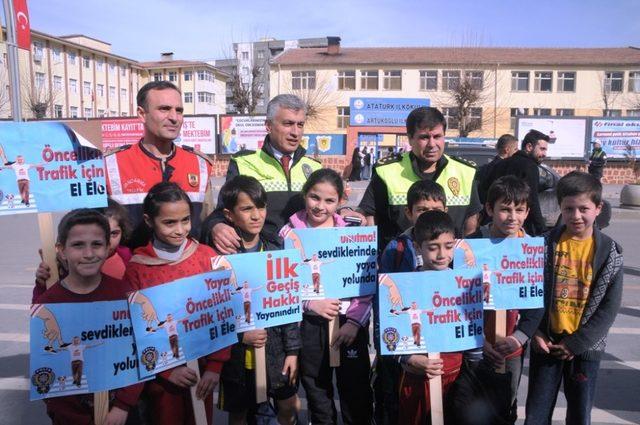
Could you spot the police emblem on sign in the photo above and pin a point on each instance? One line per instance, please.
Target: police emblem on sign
(149, 358)
(454, 185)
(390, 336)
(193, 179)
(306, 170)
(42, 379)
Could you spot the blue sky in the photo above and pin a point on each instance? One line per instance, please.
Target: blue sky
(200, 29)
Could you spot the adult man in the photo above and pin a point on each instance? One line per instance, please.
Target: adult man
(597, 160)
(506, 146)
(385, 199)
(133, 169)
(524, 164)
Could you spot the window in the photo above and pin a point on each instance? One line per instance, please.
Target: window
(392, 80)
(475, 79)
(86, 88)
(188, 76)
(39, 80)
(113, 114)
(260, 102)
(72, 59)
(368, 80)
(74, 111)
(613, 113)
(57, 111)
(475, 118)
(542, 81)
(173, 76)
(73, 85)
(613, 82)
(634, 81)
(245, 55)
(101, 113)
(100, 90)
(346, 80)
(86, 62)
(205, 75)
(450, 80)
(517, 112)
(112, 91)
(57, 55)
(123, 72)
(520, 81)
(57, 82)
(157, 76)
(542, 112)
(565, 112)
(205, 97)
(124, 114)
(303, 80)
(112, 68)
(633, 112)
(260, 54)
(37, 51)
(451, 115)
(566, 81)
(123, 93)
(343, 116)
(188, 97)
(100, 64)
(429, 80)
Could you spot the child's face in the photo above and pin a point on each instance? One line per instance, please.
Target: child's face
(507, 218)
(76, 340)
(85, 250)
(20, 159)
(421, 206)
(321, 202)
(437, 254)
(579, 213)
(115, 236)
(246, 216)
(172, 224)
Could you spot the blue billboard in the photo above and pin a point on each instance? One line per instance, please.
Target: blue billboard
(382, 112)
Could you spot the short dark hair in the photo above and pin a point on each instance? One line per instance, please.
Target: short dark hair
(162, 193)
(431, 224)
(118, 213)
(532, 137)
(141, 98)
(510, 189)
(577, 183)
(82, 216)
(243, 184)
(425, 190)
(504, 141)
(324, 175)
(425, 117)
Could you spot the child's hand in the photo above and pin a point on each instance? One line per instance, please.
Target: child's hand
(345, 335)
(208, 382)
(43, 273)
(183, 377)
(327, 308)
(116, 416)
(540, 343)
(560, 351)
(425, 366)
(290, 367)
(256, 338)
(508, 345)
(493, 357)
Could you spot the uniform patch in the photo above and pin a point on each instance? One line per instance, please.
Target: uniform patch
(193, 179)
(390, 336)
(306, 170)
(149, 358)
(454, 185)
(42, 379)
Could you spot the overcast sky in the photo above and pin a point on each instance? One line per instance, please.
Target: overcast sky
(200, 29)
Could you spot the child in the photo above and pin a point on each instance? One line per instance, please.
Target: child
(322, 194)
(83, 237)
(583, 291)
(169, 255)
(434, 239)
(245, 202)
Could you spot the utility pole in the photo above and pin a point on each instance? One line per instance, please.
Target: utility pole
(12, 58)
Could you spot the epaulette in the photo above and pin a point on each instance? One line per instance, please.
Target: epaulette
(243, 152)
(195, 151)
(111, 151)
(390, 159)
(313, 159)
(464, 161)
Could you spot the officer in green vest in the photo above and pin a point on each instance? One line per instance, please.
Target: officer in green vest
(385, 199)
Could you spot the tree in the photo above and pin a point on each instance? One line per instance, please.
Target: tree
(320, 98)
(39, 99)
(608, 92)
(245, 94)
(5, 96)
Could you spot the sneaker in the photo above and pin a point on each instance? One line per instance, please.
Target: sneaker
(49, 349)
(65, 344)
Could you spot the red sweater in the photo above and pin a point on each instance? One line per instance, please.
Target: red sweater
(74, 409)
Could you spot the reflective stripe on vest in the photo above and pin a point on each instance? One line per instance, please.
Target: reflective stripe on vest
(456, 179)
(268, 171)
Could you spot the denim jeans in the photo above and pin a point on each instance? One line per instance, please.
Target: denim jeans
(545, 375)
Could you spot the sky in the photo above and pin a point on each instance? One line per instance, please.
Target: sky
(200, 29)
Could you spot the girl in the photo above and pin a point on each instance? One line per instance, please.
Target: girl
(171, 254)
(322, 194)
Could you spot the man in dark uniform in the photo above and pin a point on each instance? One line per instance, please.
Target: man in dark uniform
(506, 146)
(597, 160)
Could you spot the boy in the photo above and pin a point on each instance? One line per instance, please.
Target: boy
(83, 241)
(245, 202)
(583, 290)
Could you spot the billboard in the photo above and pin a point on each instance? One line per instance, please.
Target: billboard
(238, 132)
(382, 112)
(567, 135)
(616, 135)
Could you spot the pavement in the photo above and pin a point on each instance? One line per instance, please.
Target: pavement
(618, 382)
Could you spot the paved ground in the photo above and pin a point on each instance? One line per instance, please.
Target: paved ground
(619, 380)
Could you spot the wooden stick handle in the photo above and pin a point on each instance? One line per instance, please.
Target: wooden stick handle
(100, 407)
(334, 352)
(261, 375)
(48, 241)
(435, 396)
(501, 332)
(199, 412)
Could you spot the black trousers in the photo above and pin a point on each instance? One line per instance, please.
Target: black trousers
(356, 398)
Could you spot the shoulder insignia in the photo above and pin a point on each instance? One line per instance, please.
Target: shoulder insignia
(243, 152)
(313, 159)
(111, 151)
(464, 161)
(390, 159)
(194, 151)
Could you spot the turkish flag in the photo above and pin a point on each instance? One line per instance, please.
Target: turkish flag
(23, 28)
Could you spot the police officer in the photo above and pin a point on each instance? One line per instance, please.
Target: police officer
(134, 169)
(385, 198)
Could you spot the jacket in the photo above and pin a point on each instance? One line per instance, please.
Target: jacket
(399, 254)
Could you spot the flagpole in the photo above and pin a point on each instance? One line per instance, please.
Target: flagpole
(12, 58)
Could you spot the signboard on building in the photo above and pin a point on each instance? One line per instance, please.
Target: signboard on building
(617, 136)
(121, 131)
(324, 144)
(239, 132)
(567, 135)
(382, 112)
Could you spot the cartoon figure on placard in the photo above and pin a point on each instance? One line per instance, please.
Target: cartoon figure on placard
(62, 382)
(486, 284)
(10, 197)
(76, 352)
(171, 327)
(246, 292)
(148, 311)
(315, 264)
(414, 313)
(469, 256)
(52, 332)
(21, 168)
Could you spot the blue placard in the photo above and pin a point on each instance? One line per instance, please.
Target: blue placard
(513, 268)
(342, 260)
(381, 111)
(182, 320)
(324, 144)
(431, 311)
(44, 168)
(267, 287)
(79, 348)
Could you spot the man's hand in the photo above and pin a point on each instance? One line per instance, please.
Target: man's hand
(425, 366)
(493, 356)
(256, 338)
(345, 335)
(540, 343)
(560, 351)
(116, 416)
(290, 367)
(394, 296)
(508, 345)
(327, 308)
(183, 377)
(346, 212)
(225, 239)
(208, 382)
